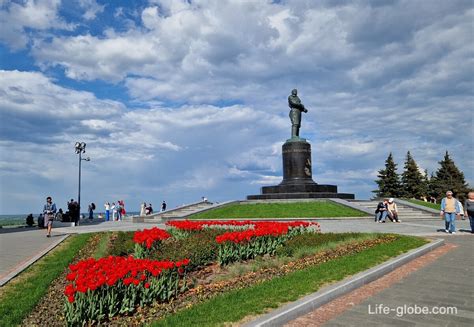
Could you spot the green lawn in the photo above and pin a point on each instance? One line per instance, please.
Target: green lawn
(21, 294)
(312, 209)
(436, 206)
(236, 305)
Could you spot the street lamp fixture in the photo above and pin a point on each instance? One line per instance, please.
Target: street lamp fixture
(80, 149)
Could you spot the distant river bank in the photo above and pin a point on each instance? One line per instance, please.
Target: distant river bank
(9, 220)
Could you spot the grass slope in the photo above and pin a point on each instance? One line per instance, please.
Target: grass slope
(20, 295)
(436, 206)
(236, 305)
(281, 210)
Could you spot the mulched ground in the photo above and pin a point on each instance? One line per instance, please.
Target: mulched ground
(49, 311)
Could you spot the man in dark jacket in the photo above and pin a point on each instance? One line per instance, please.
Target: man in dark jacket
(382, 211)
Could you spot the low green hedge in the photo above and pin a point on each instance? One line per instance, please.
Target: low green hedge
(312, 240)
(200, 247)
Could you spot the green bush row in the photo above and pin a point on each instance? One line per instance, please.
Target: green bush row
(311, 240)
(200, 247)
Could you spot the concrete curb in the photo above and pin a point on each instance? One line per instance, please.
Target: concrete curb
(309, 303)
(25, 264)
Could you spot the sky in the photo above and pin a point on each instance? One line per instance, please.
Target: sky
(182, 99)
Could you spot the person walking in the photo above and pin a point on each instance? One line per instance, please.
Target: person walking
(163, 206)
(392, 211)
(469, 209)
(107, 211)
(449, 210)
(49, 210)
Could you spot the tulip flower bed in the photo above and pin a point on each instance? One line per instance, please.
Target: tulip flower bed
(123, 290)
(101, 289)
(258, 237)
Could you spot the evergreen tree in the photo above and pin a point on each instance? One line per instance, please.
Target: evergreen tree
(412, 179)
(448, 178)
(388, 180)
(431, 186)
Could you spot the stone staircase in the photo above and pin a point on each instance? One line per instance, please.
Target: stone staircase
(179, 212)
(405, 211)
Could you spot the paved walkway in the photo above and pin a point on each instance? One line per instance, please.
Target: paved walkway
(426, 227)
(446, 282)
(20, 247)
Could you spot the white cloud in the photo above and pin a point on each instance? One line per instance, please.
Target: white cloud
(191, 147)
(33, 94)
(208, 82)
(16, 18)
(92, 9)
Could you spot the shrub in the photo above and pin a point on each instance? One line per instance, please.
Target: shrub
(200, 247)
(121, 244)
(311, 240)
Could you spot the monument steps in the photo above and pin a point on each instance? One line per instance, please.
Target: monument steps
(405, 211)
(181, 212)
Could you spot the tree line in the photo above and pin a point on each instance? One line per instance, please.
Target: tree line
(413, 183)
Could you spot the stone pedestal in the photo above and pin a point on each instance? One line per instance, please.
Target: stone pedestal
(298, 177)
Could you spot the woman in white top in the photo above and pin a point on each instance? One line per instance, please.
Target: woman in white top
(114, 211)
(142, 209)
(392, 211)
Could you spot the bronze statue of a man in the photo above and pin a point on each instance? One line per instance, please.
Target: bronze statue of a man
(296, 107)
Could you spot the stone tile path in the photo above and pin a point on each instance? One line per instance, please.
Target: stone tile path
(20, 247)
(442, 282)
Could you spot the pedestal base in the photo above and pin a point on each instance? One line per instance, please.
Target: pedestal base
(270, 196)
(297, 177)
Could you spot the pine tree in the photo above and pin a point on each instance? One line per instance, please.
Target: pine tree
(412, 179)
(448, 178)
(432, 186)
(388, 180)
